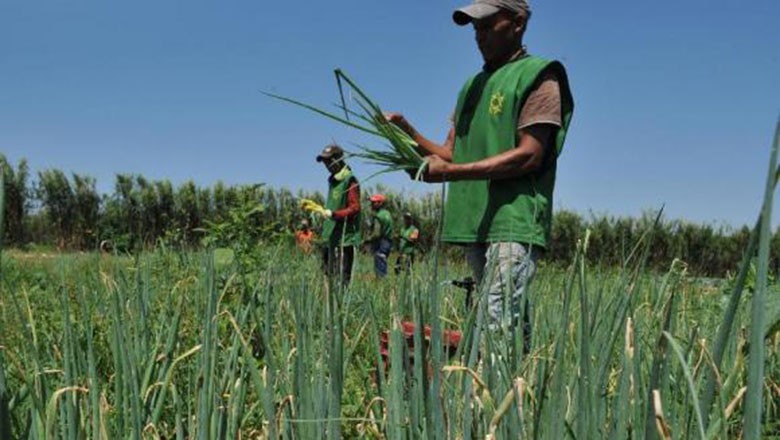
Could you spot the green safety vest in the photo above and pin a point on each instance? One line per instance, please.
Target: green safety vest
(407, 246)
(333, 230)
(486, 116)
(385, 221)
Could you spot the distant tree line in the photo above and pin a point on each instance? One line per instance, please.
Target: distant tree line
(67, 212)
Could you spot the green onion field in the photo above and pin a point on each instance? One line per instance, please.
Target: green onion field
(195, 345)
(246, 341)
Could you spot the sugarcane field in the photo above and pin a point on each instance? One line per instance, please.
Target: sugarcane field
(476, 219)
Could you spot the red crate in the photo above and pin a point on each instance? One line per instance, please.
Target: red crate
(450, 340)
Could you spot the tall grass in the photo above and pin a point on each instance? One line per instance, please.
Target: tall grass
(755, 386)
(182, 345)
(5, 416)
(202, 377)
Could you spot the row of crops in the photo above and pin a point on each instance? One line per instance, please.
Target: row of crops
(253, 342)
(189, 345)
(175, 344)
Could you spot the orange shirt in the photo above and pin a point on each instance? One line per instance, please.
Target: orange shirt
(304, 240)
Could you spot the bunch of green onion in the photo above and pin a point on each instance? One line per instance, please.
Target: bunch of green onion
(400, 155)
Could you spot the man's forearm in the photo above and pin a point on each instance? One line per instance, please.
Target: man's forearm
(524, 159)
(428, 147)
(513, 163)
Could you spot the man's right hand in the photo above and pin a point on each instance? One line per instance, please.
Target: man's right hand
(424, 146)
(400, 121)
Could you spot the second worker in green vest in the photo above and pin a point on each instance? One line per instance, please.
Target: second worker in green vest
(381, 238)
(501, 153)
(341, 227)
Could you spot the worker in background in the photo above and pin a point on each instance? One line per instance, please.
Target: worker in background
(381, 234)
(304, 237)
(408, 240)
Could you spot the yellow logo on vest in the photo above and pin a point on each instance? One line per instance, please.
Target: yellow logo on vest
(496, 103)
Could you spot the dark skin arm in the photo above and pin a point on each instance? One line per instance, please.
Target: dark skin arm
(526, 158)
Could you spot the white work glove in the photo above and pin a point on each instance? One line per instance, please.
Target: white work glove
(327, 213)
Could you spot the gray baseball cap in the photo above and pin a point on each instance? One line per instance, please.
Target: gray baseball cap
(485, 8)
(331, 151)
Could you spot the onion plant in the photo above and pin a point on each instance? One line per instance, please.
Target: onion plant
(401, 151)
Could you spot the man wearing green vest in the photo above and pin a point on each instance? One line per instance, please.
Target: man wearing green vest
(508, 129)
(381, 238)
(341, 228)
(407, 244)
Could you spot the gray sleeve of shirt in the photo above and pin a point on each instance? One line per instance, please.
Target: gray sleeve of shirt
(543, 105)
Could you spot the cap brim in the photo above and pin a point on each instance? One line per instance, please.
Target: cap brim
(467, 14)
(320, 158)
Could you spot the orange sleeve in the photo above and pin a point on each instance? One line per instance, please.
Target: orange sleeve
(353, 203)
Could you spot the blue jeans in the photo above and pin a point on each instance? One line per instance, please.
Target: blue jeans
(506, 270)
(381, 254)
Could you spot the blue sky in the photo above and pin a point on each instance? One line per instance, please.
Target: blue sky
(676, 101)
